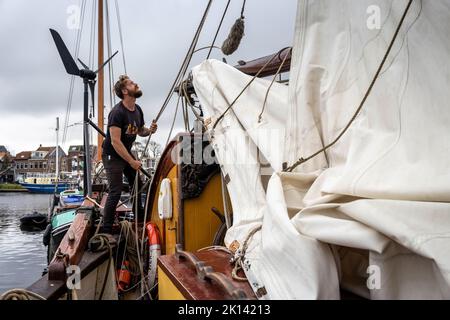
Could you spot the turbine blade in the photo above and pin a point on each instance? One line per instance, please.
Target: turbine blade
(92, 89)
(83, 64)
(66, 57)
(104, 64)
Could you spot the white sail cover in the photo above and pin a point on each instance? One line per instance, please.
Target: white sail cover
(372, 214)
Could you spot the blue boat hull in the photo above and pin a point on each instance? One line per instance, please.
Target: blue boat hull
(45, 188)
(72, 199)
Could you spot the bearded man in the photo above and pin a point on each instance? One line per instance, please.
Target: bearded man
(125, 121)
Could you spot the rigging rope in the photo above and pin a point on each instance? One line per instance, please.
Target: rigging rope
(369, 90)
(92, 38)
(121, 36)
(247, 85)
(218, 29)
(186, 61)
(72, 78)
(173, 121)
(110, 64)
(141, 243)
(182, 71)
(271, 83)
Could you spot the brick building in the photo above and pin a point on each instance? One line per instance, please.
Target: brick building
(6, 166)
(40, 161)
(75, 158)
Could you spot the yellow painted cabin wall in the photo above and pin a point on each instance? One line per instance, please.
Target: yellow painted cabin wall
(200, 223)
(166, 289)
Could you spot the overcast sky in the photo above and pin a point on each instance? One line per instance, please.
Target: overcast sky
(34, 86)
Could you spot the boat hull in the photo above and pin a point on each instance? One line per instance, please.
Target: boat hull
(45, 188)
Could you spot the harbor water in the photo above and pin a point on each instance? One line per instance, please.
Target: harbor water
(23, 257)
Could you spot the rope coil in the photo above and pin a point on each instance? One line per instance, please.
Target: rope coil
(21, 294)
(239, 258)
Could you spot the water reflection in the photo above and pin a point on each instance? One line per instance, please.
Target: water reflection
(22, 253)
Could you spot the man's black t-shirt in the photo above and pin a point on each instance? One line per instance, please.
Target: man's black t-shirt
(129, 122)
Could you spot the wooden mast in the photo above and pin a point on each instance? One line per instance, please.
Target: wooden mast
(100, 100)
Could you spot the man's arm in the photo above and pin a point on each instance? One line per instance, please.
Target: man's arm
(144, 132)
(120, 148)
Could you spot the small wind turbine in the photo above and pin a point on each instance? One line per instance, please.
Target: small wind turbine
(88, 77)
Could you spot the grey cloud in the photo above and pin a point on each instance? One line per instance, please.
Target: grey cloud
(156, 34)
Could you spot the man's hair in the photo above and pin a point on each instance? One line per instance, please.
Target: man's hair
(120, 85)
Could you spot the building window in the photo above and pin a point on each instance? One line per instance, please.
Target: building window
(45, 165)
(26, 166)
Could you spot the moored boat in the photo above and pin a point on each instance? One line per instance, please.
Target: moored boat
(34, 220)
(71, 197)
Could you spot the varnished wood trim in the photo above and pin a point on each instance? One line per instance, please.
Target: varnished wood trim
(173, 279)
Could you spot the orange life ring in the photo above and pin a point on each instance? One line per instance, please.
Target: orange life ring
(154, 245)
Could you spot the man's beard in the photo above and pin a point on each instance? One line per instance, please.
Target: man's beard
(137, 94)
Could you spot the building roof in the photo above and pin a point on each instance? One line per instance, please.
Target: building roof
(76, 148)
(3, 149)
(48, 149)
(80, 148)
(24, 155)
(51, 151)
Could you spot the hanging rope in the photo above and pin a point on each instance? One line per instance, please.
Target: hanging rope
(130, 247)
(72, 78)
(187, 102)
(173, 121)
(121, 36)
(270, 86)
(92, 39)
(110, 64)
(97, 243)
(218, 29)
(369, 90)
(182, 71)
(234, 38)
(186, 61)
(207, 47)
(247, 85)
(139, 244)
(239, 257)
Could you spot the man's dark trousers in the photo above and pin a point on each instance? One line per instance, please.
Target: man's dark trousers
(115, 169)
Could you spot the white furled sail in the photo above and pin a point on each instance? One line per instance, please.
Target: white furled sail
(371, 214)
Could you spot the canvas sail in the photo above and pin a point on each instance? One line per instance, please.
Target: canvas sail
(372, 213)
